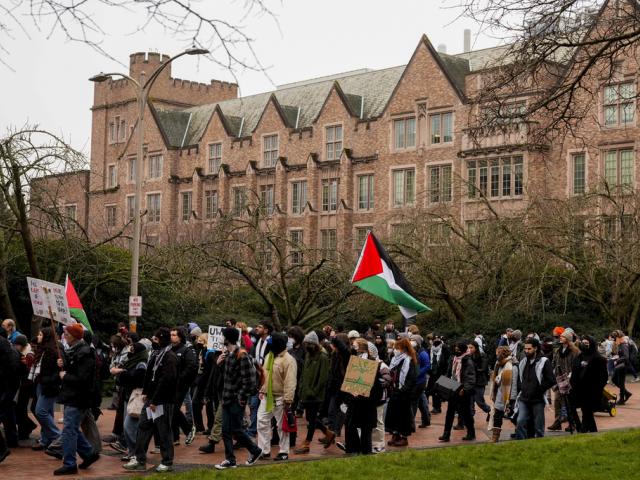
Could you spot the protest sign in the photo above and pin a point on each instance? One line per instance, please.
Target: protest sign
(360, 376)
(49, 301)
(215, 340)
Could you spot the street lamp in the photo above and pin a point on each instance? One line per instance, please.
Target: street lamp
(142, 94)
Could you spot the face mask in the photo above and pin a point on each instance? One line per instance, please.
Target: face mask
(155, 346)
(290, 343)
(397, 352)
(437, 343)
(584, 348)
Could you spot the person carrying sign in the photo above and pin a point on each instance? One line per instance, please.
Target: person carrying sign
(276, 395)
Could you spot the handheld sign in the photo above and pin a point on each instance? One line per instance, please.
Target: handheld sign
(360, 376)
(49, 301)
(215, 340)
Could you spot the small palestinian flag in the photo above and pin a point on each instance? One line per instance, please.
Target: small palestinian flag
(377, 274)
(75, 306)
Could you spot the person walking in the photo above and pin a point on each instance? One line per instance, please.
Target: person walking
(620, 364)
(213, 394)
(463, 371)
(239, 386)
(159, 393)
(419, 397)
(187, 369)
(404, 372)
(481, 364)
(276, 396)
(588, 378)
(503, 390)
(312, 388)
(77, 395)
(45, 374)
(440, 354)
(535, 375)
(562, 363)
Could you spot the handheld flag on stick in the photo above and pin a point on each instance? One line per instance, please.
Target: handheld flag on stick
(377, 274)
(75, 306)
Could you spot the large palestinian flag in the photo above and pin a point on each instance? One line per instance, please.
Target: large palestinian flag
(75, 306)
(377, 274)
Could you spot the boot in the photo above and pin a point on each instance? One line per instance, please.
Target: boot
(401, 442)
(330, 438)
(495, 435)
(445, 437)
(394, 438)
(555, 426)
(302, 449)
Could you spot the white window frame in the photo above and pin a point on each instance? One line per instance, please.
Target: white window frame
(619, 104)
(330, 192)
(487, 165)
(369, 201)
(209, 215)
(112, 175)
(152, 174)
(214, 159)
(304, 196)
(404, 145)
(392, 191)
(153, 216)
(185, 216)
(111, 221)
(332, 145)
(440, 139)
(269, 154)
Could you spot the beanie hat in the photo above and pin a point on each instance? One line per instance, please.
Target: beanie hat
(568, 334)
(353, 334)
(517, 334)
(75, 330)
(278, 343)
(312, 337)
(558, 331)
(195, 331)
(231, 334)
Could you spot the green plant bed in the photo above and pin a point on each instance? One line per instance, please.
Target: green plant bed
(579, 457)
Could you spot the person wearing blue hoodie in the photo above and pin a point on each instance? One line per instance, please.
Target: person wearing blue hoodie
(419, 399)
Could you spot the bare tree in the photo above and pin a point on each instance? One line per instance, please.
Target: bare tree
(192, 22)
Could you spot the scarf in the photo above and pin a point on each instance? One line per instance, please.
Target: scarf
(513, 346)
(395, 361)
(159, 357)
(269, 367)
(456, 367)
(436, 351)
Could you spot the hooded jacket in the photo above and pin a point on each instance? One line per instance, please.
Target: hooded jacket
(79, 382)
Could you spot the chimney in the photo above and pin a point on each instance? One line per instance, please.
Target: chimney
(442, 48)
(467, 40)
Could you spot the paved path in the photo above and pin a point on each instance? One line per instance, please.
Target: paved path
(25, 464)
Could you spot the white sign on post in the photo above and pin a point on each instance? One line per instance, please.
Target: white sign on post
(49, 301)
(135, 306)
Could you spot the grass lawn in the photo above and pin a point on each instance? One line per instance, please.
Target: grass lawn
(584, 457)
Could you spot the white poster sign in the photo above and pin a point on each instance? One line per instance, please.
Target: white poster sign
(49, 300)
(135, 306)
(215, 340)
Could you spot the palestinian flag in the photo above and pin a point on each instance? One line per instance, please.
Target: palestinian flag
(75, 307)
(377, 274)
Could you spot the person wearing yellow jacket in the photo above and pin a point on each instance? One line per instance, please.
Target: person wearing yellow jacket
(276, 395)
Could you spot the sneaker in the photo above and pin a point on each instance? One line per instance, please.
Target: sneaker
(265, 456)
(54, 452)
(191, 436)
(224, 465)
(635, 380)
(378, 450)
(135, 465)
(253, 458)
(87, 462)
(162, 468)
(281, 457)
(66, 470)
(126, 458)
(341, 446)
(118, 447)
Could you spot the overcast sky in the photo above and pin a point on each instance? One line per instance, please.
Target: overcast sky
(47, 84)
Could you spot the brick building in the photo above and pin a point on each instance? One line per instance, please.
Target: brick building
(335, 156)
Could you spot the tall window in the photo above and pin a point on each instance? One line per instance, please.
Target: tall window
(579, 169)
(270, 150)
(131, 174)
(112, 132)
(155, 166)
(441, 128)
(186, 206)
(112, 176)
(360, 237)
(239, 201)
(618, 167)
(365, 192)
(498, 177)
(404, 187)
(330, 195)
(117, 130)
(619, 104)
(296, 238)
(333, 142)
(131, 208)
(122, 133)
(154, 205)
(298, 196)
(215, 157)
(440, 183)
(110, 213)
(70, 216)
(404, 133)
(210, 204)
(328, 243)
(267, 199)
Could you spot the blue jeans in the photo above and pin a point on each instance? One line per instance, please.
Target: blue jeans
(45, 409)
(130, 431)
(73, 441)
(525, 410)
(188, 407)
(254, 404)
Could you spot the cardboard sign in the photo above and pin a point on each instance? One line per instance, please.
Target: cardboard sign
(135, 306)
(49, 300)
(215, 340)
(360, 376)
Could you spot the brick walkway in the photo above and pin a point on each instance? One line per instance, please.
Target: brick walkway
(25, 464)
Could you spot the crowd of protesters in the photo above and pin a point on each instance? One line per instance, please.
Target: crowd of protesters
(250, 393)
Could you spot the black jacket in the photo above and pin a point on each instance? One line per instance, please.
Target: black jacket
(588, 378)
(49, 378)
(161, 388)
(467, 373)
(187, 365)
(481, 365)
(531, 389)
(132, 378)
(79, 382)
(215, 382)
(10, 365)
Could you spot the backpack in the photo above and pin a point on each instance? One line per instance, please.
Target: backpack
(258, 370)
